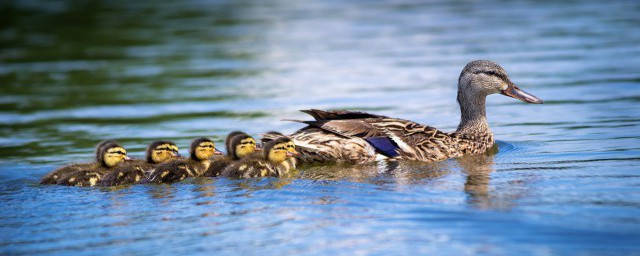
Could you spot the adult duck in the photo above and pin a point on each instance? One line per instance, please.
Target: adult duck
(359, 137)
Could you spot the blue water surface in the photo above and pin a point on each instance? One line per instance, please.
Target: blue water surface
(563, 179)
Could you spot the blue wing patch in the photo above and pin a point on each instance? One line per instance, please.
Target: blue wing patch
(384, 145)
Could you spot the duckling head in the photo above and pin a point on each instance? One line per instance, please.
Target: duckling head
(100, 148)
(242, 145)
(227, 141)
(161, 150)
(112, 154)
(202, 149)
(481, 78)
(277, 151)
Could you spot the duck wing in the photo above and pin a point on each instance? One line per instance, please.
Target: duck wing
(338, 114)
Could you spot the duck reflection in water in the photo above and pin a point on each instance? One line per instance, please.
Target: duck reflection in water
(476, 169)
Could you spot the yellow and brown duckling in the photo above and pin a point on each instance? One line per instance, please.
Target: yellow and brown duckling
(272, 163)
(200, 152)
(133, 171)
(291, 146)
(239, 145)
(109, 154)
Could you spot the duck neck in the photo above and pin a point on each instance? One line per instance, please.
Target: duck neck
(473, 119)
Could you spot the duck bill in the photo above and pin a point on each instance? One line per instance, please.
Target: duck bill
(217, 152)
(177, 155)
(126, 158)
(514, 92)
(294, 153)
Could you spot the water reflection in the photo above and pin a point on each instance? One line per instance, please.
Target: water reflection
(478, 170)
(380, 173)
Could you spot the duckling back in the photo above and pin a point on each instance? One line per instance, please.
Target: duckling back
(129, 172)
(82, 178)
(176, 170)
(218, 163)
(55, 175)
(250, 167)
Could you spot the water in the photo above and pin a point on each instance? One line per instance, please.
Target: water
(563, 179)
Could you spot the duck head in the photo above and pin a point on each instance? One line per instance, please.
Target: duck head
(277, 151)
(202, 149)
(242, 145)
(111, 154)
(161, 150)
(481, 78)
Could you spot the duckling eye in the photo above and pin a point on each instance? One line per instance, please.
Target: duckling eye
(118, 152)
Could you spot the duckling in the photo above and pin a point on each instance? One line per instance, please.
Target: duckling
(200, 152)
(291, 146)
(239, 145)
(272, 163)
(52, 177)
(109, 154)
(133, 171)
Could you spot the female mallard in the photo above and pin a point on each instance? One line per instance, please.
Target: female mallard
(109, 154)
(239, 145)
(200, 152)
(358, 137)
(133, 171)
(272, 163)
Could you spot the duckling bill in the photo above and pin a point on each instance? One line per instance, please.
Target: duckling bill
(200, 152)
(134, 171)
